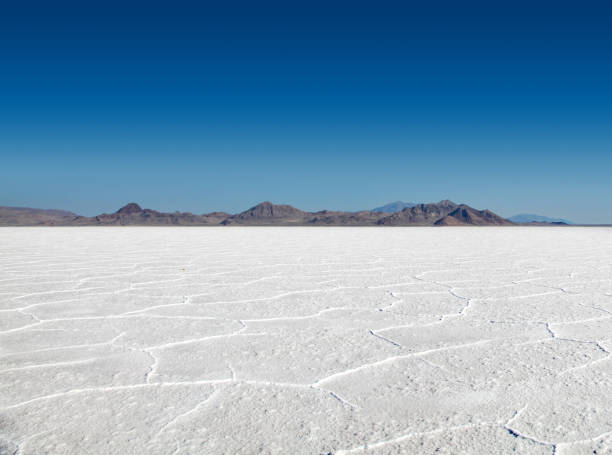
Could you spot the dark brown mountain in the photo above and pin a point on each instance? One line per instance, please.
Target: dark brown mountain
(329, 218)
(267, 213)
(127, 209)
(465, 215)
(133, 214)
(24, 216)
(443, 213)
(420, 214)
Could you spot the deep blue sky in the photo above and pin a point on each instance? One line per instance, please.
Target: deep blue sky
(339, 105)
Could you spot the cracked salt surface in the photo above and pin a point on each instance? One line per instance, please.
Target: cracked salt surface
(305, 340)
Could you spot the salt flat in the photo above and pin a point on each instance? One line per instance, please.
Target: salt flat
(305, 340)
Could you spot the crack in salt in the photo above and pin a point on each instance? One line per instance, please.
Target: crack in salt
(392, 359)
(388, 340)
(375, 445)
(517, 434)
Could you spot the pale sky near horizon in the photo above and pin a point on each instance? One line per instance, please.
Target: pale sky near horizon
(199, 106)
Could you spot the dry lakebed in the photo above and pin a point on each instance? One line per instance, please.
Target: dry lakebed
(247, 340)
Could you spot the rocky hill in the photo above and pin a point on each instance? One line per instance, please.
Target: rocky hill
(267, 213)
(24, 216)
(330, 218)
(465, 215)
(419, 215)
(133, 214)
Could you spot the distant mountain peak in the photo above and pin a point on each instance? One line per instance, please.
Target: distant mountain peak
(132, 207)
(531, 218)
(266, 212)
(270, 210)
(398, 206)
(393, 207)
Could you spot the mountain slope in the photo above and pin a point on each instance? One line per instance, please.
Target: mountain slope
(329, 218)
(419, 215)
(394, 207)
(465, 215)
(133, 215)
(25, 216)
(267, 213)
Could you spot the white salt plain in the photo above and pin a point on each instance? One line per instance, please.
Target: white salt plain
(305, 340)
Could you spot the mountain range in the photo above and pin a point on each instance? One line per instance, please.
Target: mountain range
(443, 213)
(530, 218)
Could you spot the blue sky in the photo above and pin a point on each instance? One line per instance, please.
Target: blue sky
(206, 106)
